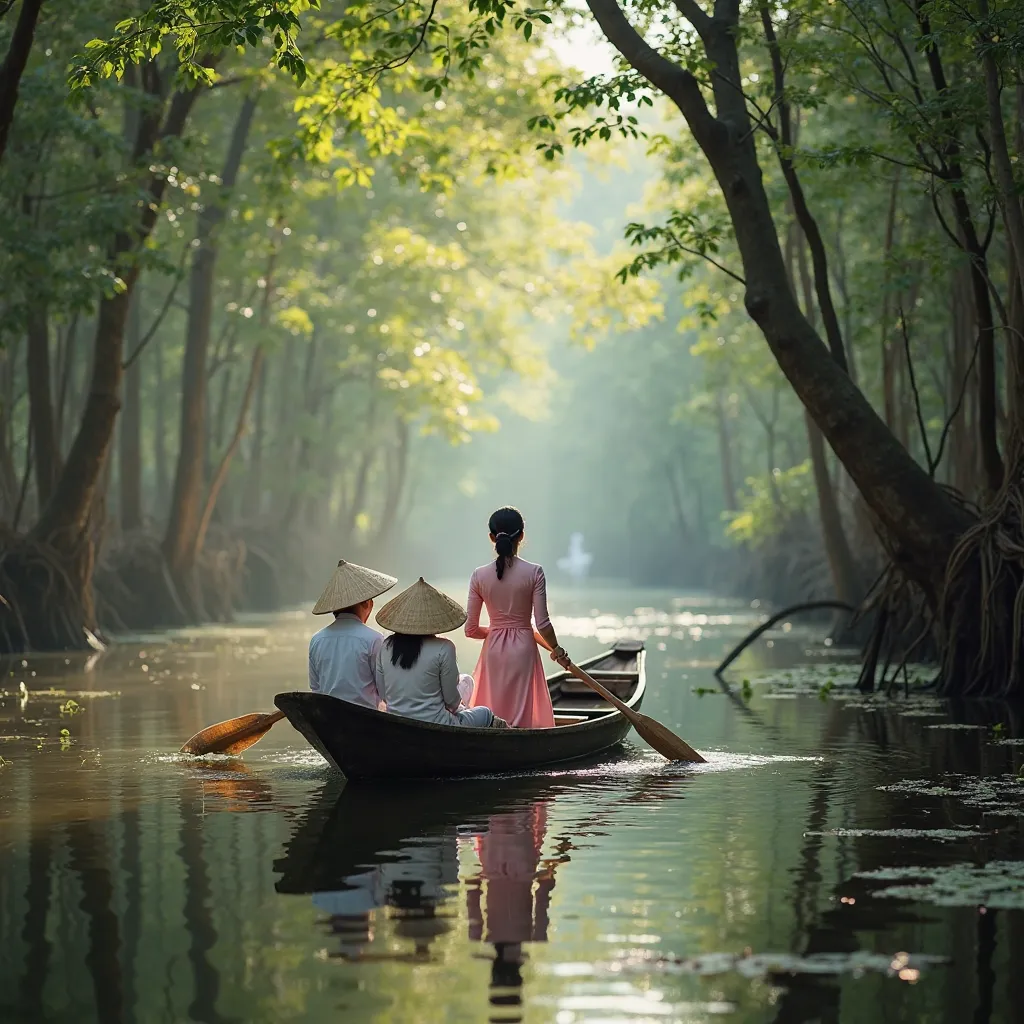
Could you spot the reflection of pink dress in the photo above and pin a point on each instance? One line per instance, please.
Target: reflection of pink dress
(510, 675)
(512, 910)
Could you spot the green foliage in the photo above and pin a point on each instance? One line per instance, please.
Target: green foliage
(769, 505)
(196, 30)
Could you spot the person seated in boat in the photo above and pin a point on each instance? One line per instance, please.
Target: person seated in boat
(343, 655)
(510, 675)
(417, 670)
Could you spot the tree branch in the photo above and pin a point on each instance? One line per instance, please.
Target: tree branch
(677, 83)
(694, 14)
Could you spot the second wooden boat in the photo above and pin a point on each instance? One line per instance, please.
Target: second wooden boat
(366, 744)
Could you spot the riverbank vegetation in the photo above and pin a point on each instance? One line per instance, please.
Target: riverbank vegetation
(298, 248)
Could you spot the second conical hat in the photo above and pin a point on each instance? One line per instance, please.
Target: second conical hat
(421, 611)
(352, 584)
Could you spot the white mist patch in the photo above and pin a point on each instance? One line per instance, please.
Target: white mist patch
(998, 884)
(939, 834)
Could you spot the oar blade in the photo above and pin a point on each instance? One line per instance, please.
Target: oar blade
(232, 736)
(664, 740)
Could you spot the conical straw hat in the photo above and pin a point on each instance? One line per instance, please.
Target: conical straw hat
(422, 611)
(352, 584)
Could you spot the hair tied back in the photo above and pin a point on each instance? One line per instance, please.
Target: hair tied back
(506, 525)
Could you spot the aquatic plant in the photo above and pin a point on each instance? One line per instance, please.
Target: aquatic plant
(998, 884)
(941, 834)
(906, 966)
(994, 794)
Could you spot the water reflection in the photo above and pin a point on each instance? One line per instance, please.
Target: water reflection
(381, 857)
(135, 886)
(509, 898)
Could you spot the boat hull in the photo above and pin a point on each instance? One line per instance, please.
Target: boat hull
(366, 744)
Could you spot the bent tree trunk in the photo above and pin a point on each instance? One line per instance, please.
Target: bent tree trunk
(918, 522)
(187, 498)
(46, 577)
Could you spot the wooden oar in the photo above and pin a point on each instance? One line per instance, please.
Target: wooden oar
(663, 739)
(232, 736)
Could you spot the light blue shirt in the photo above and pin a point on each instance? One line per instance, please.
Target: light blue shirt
(343, 661)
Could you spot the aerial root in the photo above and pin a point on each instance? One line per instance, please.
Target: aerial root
(43, 604)
(982, 609)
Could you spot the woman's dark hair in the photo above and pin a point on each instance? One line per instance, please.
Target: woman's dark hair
(405, 648)
(507, 526)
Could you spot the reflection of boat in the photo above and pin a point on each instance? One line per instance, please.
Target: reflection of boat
(368, 744)
(386, 858)
(353, 828)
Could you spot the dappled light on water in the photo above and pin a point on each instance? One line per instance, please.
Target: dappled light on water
(823, 857)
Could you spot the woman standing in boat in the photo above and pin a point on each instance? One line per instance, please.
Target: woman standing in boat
(510, 675)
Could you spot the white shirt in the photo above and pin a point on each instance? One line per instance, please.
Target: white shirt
(343, 661)
(426, 690)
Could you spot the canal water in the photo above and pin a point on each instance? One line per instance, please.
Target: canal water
(838, 859)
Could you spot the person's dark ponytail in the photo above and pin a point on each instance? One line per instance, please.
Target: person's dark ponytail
(506, 525)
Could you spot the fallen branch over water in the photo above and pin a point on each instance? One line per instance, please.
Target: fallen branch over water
(807, 606)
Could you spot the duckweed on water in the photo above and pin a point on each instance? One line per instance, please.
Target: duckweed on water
(995, 794)
(998, 884)
(906, 966)
(941, 834)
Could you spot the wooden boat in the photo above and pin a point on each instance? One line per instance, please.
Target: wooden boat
(366, 744)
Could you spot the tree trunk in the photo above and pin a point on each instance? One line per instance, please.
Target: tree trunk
(13, 66)
(808, 225)
(1015, 367)
(225, 463)
(130, 467)
(988, 401)
(398, 468)
(963, 461)
(1007, 190)
(65, 366)
(160, 421)
(685, 532)
(8, 473)
(254, 499)
(918, 521)
(888, 364)
(845, 579)
(729, 501)
(40, 402)
(50, 607)
(186, 501)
